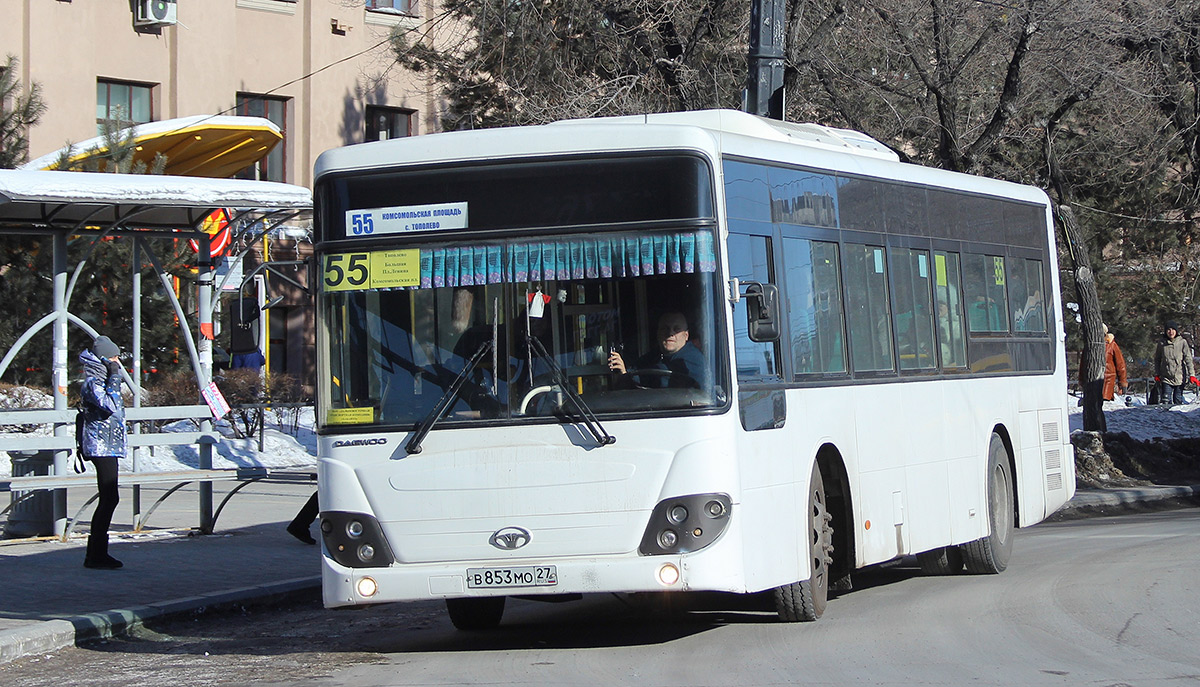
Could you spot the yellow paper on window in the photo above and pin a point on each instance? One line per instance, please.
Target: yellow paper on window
(350, 416)
(392, 268)
(939, 266)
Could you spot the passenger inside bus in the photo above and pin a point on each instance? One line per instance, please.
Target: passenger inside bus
(678, 364)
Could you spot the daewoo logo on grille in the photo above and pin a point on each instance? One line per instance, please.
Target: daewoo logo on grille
(376, 441)
(510, 538)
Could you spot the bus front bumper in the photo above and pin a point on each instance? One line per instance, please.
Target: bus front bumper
(344, 586)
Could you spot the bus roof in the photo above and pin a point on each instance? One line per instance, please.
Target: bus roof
(745, 124)
(719, 132)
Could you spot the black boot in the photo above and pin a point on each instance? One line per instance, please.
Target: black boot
(300, 532)
(97, 553)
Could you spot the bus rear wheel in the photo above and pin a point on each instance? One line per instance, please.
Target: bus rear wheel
(476, 613)
(804, 601)
(990, 554)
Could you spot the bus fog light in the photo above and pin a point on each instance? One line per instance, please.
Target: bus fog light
(366, 552)
(668, 574)
(715, 508)
(677, 514)
(367, 587)
(668, 539)
(354, 528)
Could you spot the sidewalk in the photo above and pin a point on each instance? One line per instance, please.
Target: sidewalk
(51, 601)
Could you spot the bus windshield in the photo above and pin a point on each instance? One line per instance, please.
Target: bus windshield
(627, 318)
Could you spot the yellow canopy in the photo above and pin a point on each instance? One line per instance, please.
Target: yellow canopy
(216, 146)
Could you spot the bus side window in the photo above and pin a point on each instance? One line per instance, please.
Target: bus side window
(750, 260)
(867, 309)
(914, 310)
(951, 337)
(987, 300)
(814, 298)
(1025, 292)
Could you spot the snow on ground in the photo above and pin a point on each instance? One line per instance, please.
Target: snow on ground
(1143, 422)
(281, 449)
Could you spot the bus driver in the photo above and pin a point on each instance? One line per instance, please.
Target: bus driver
(677, 363)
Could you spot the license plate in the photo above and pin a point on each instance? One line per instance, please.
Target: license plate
(522, 576)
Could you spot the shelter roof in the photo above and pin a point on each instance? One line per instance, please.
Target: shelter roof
(74, 200)
(215, 146)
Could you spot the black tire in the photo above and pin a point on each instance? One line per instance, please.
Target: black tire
(947, 560)
(990, 554)
(804, 601)
(476, 613)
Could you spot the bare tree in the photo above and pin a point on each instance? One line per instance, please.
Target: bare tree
(500, 62)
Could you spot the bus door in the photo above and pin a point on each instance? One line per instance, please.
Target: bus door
(756, 362)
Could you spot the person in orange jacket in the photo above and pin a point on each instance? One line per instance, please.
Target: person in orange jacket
(1115, 380)
(1114, 367)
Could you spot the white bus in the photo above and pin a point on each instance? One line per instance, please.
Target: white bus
(691, 351)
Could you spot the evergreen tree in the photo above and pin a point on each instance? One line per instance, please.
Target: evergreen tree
(17, 114)
(102, 296)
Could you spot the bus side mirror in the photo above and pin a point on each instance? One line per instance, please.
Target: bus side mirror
(762, 311)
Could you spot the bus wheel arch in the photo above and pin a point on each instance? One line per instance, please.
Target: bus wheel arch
(805, 600)
(841, 507)
(990, 554)
(1002, 432)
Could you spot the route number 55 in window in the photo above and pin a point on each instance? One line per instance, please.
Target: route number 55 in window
(347, 271)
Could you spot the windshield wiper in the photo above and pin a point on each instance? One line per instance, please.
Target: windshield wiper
(443, 404)
(585, 413)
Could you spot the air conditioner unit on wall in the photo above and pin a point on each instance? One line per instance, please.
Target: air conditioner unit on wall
(154, 13)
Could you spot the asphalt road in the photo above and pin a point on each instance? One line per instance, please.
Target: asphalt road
(1106, 601)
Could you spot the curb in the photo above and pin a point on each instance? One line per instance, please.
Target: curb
(1089, 503)
(51, 635)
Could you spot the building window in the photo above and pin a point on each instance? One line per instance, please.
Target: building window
(403, 6)
(274, 166)
(128, 103)
(388, 122)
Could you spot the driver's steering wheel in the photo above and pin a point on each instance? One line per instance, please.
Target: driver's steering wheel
(650, 372)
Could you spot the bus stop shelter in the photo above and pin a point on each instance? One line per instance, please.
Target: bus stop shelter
(141, 208)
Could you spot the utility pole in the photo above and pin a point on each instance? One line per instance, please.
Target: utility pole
(764, 87)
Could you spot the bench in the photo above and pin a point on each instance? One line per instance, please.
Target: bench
(29, 485)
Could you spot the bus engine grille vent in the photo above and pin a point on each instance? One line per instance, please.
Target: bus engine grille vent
(1054, 481)
(1050, 433)
(1053, 459)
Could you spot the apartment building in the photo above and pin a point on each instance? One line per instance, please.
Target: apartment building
(320, 70)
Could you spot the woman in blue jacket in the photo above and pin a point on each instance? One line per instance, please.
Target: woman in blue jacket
(103, 441)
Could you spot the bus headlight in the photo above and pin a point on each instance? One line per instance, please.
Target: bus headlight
(685, 523)
(355, 540)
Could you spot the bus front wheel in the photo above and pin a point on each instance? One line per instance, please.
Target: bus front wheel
(990, 554)
(476, 613)
(805, 600)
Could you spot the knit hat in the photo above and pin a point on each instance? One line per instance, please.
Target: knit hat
(105, 348)
(1171, 324)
